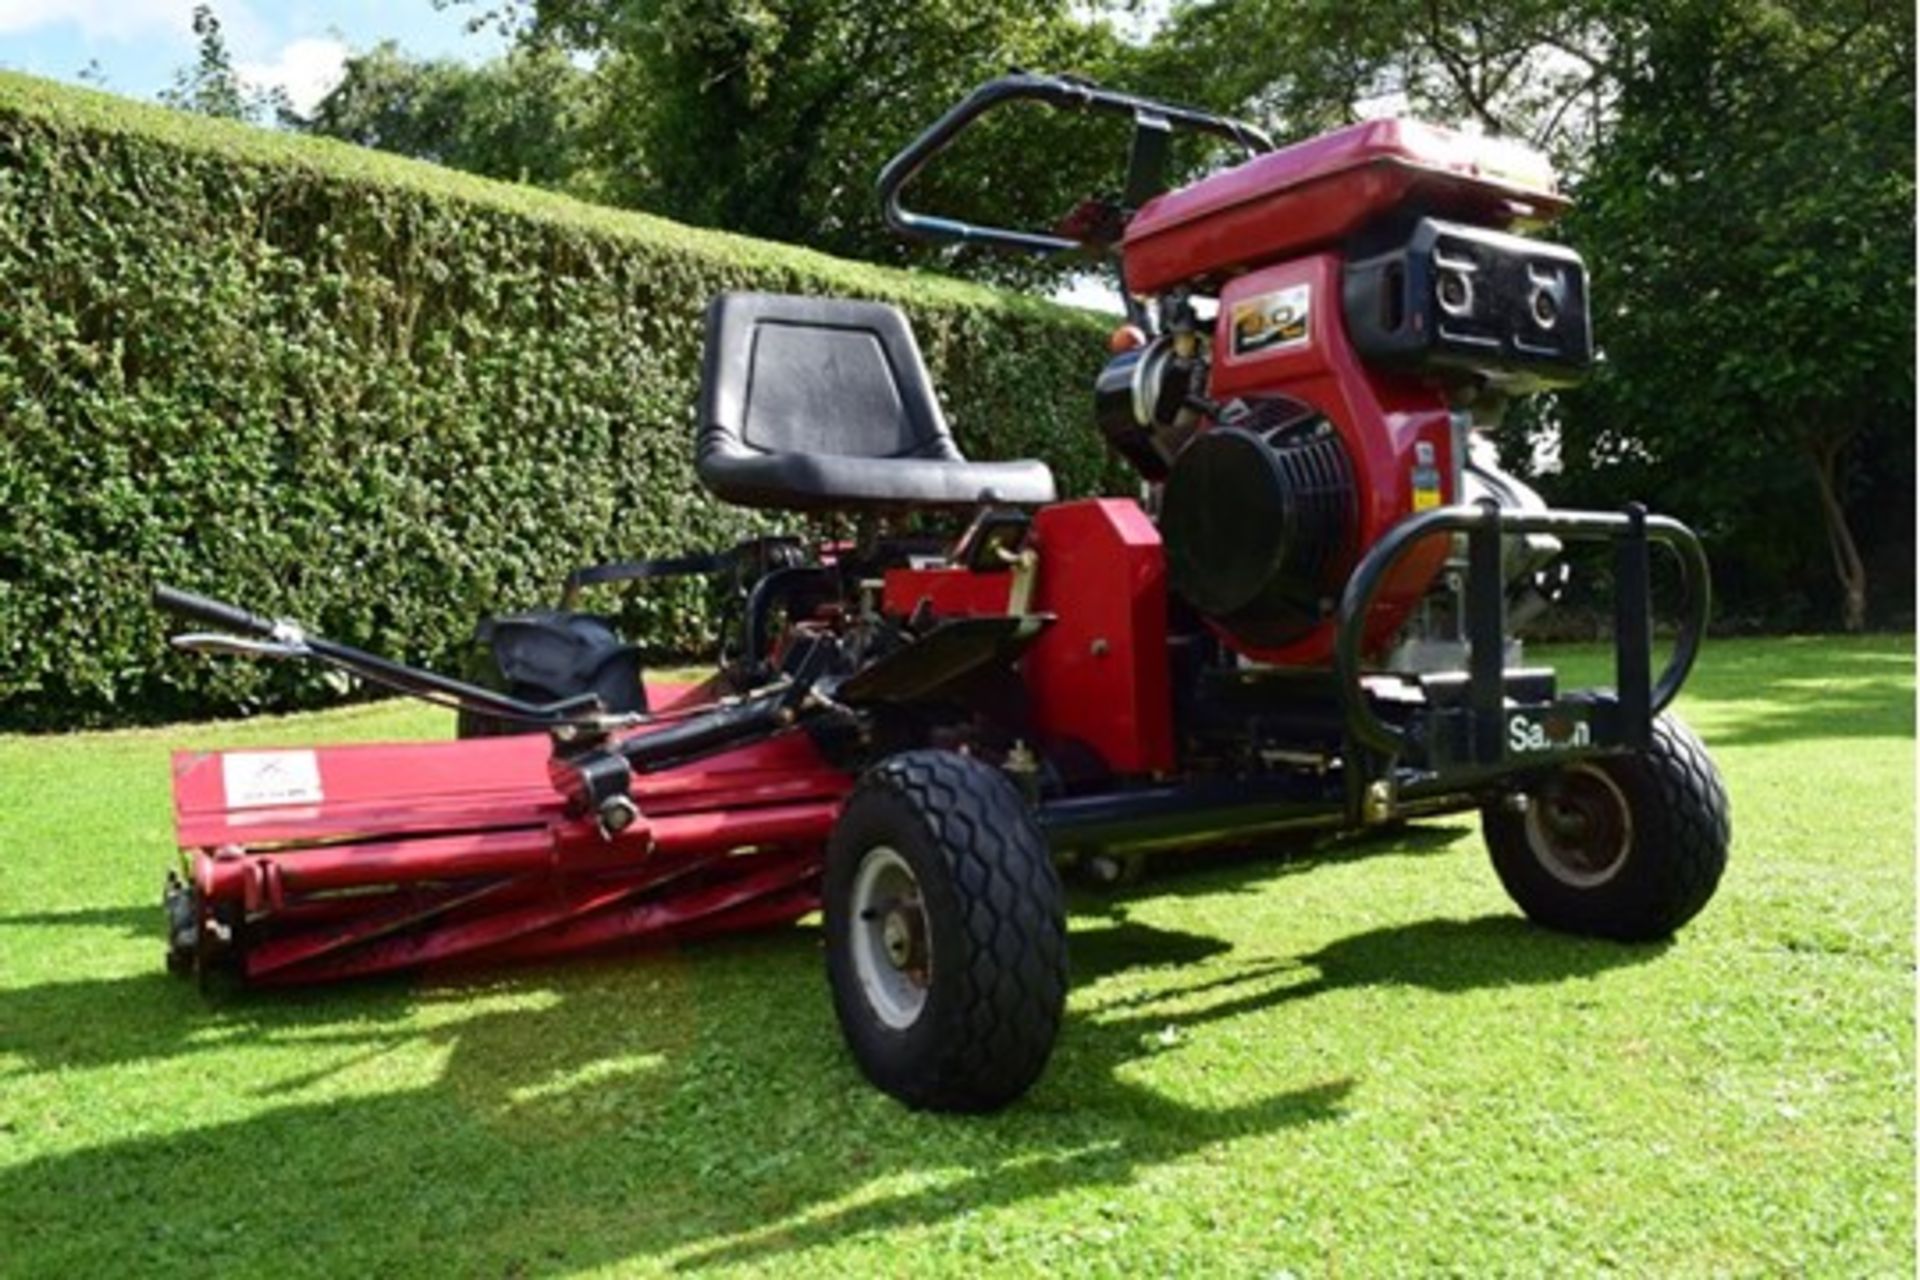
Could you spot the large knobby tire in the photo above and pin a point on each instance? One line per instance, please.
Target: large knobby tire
(1625, 847)
(946, 933)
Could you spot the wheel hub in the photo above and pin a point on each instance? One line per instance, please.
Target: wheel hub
(892, 956)
(903, 934)
(1581, 828)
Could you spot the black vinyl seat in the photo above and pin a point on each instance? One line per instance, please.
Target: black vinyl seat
(815, 403)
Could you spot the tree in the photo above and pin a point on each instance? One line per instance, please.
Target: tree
(522, 117)
(1752, 215)
(1532, 69)
(211, 86)
(773, 117)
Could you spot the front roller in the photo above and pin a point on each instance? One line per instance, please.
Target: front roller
(946, 933)
(1628, 847)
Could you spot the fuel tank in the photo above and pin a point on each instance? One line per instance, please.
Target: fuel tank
(1318, 192)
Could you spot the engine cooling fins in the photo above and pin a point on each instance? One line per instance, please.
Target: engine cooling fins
(1258, 519)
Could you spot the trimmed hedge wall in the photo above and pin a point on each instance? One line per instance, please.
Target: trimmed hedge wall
(377, 395)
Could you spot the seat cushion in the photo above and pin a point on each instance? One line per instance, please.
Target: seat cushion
(816, 403)
(809, 481)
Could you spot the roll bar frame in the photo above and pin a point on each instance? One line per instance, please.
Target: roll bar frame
(1154, 123)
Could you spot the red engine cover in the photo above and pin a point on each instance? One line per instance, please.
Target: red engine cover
(1281, 332)
(1315, 192)
(1097, 677)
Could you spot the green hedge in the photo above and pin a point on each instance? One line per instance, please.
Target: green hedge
(379, 395)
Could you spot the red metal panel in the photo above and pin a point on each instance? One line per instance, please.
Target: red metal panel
(1380, 417)
(1319, 191)
(483, 784)
(1099, 674)
(949, 592)
(367, 790)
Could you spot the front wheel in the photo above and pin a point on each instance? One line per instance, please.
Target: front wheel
(946, 933)
(1627, 847)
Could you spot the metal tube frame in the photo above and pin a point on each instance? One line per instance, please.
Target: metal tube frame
(1054, 91)
(1637, 697)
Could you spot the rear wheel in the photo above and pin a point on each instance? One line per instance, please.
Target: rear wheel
(1627, 847)
(946, 933)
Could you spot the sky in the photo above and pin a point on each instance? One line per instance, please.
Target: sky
(297, 45)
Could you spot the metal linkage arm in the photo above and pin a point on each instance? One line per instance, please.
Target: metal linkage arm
(281, 638)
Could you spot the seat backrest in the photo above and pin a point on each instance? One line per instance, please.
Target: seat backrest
(817, 376)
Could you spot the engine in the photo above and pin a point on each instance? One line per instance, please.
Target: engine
(1258, 521)
(1334, 396)
(1371, 303)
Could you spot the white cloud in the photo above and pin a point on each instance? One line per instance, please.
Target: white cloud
(307, 68)
(99, 19)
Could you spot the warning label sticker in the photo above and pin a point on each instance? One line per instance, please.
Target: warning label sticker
(256, 779)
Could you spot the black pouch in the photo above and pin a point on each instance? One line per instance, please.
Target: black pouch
(549, 655)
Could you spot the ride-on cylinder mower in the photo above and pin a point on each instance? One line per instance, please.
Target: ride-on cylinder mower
(1304, 621)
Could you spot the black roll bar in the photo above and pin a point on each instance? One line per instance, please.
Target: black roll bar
(1055, 91)
(1485, 524)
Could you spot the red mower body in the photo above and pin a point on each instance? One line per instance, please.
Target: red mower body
(349, 860)
(371, 858)
(1302, 622)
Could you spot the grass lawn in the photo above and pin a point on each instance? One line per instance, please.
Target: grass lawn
(1324, 1064)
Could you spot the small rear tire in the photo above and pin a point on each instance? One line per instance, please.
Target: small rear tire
(946, 933)
(1625, 847)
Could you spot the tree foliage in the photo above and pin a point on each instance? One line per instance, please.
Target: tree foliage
(770, 117)
(773, 117)
(523, 117)
(1751, 221)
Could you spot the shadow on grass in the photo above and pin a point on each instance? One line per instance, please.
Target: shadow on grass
(1140, 1128)
(1253, 867)
(691, 1102)
(134, 922)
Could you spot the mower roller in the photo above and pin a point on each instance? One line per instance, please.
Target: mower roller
(1303, 621)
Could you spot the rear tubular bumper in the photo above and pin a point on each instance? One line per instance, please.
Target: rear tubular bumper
(1493, 732)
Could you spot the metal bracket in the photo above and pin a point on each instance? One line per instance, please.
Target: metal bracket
(232, 646)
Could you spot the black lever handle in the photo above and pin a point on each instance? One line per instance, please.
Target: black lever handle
(217, 613)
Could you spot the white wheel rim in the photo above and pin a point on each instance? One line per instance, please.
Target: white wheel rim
(1582, 835)
(891, 944)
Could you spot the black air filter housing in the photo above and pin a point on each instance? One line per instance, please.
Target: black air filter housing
(1454, 303)
(1258, 523)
